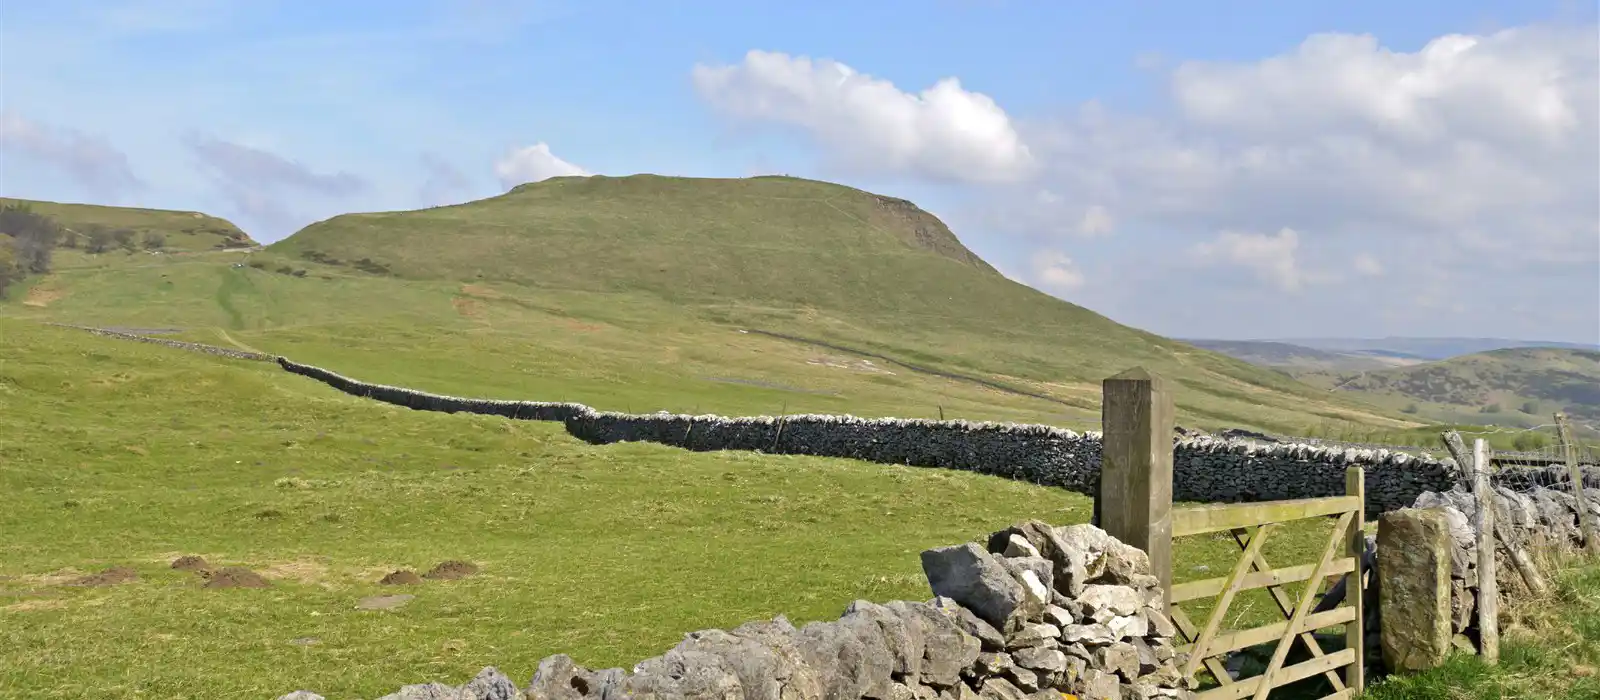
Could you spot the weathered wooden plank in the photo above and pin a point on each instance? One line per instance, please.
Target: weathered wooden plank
(1194, 590)
(1198, 520)
(1339, 536)
(1488, 586)
(1245, 687)
(1229, 590)
(1189, 632)
(1135, 500)
(1234, 641)
(1259, 563)
(1569, 450)
(1518, 556)
(1355, 634)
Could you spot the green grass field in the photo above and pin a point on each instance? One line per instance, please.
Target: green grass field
(127, 454)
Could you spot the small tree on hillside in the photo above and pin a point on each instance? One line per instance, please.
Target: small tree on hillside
(124, 237)
(99, 238)
(154, 241)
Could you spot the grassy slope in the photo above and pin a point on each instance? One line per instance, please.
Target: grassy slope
(121, 453)
(806, 258)
(1551, 653)
(1458, 389)
(183, 230)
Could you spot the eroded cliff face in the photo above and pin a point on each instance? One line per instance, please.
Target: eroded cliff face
(922, 230)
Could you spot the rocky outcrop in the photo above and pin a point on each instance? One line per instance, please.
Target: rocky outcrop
(1032, 612)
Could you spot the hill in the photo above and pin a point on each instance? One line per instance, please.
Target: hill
(180, 230)
(759, 295)
(1518, 386)
(1292, 358)
(1425, 348)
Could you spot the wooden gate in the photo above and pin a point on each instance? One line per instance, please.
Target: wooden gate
(1134, 505)
(1206, 645)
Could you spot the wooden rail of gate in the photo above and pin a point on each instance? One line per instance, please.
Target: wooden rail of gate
(1205, 645)
(1135, 506)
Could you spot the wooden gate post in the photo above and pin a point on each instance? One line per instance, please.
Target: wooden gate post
(1135, 500)
(1591, 539)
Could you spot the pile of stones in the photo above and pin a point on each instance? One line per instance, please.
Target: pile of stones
(1029, 614)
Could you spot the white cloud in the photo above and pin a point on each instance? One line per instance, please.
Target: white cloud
(1484, 147)
(92, 161)
(532, 164)
(259, 186)
(1055, 272)
(445, 183)
(1368, 266)
(1270, 257)
(868, 124)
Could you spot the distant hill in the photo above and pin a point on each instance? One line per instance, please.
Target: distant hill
(1518, 386)
(181, 230)
(1425, 348)
(1293, 358)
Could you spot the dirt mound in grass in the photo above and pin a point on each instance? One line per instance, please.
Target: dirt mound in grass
(234, 577)
(452, 570)
(402, 577)
(109, 577)
(190, 563)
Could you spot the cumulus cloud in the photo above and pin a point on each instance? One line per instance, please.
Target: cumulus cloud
(1476, 146)
(258, 184)
(1367, 266)
(1270, 257)
(91, 161)
(869, 124)
(532, 164)
(1055, 271)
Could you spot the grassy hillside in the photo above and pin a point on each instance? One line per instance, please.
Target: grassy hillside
(808, 259)
(182, 230)
(123, 454)
(1520, 386)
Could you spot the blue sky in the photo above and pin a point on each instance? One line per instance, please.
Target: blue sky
(1223, 169)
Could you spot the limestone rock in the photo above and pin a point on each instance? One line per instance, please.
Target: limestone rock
(423, 691)
(301, 695)
(1120, 600)
(969, 622)
(1001, 689)
(975, 579)
(1040, 659)
(1414, 562)
(946, 648)
(851, 661)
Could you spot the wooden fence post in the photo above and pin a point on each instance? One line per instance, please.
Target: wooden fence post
(1488, 585)
(1519, 558)
(1355, 633)
(1135, 499)
(1570, 449)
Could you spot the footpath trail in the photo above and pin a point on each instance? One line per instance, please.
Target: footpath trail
(232, 341)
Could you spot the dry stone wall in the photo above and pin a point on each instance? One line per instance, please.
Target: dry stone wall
(196, 347)
(1205, 468)
(1030, 613)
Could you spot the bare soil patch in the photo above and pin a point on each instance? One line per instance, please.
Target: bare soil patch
(190, 563)
(233, 577)
(452, 570)
(109, 577)
(41, 295)
(402, 577)
(384, 602)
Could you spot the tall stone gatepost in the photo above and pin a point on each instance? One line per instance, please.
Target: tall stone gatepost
(1414, 588)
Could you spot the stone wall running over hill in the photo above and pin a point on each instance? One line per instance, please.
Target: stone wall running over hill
(1206, 469)
(1030, 613)
(196, 347)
